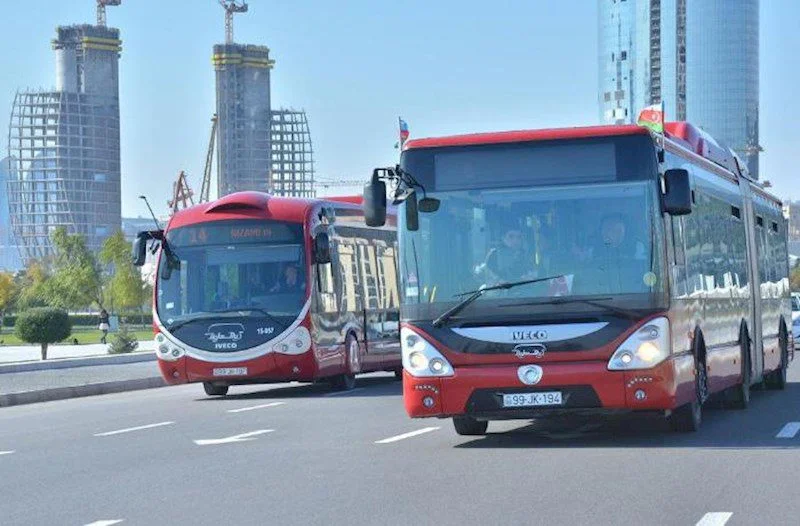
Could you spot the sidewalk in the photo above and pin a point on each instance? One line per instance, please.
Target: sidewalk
(31, 353)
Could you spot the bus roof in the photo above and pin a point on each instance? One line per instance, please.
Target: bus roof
(255, 205)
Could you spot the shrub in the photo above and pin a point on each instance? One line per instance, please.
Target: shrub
(43, 326)
(123, 342)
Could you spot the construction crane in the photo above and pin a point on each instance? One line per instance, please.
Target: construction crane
(231, 7)
(101, 10)
(205, 190)
(182, 195)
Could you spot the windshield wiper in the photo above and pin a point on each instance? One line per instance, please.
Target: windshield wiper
(211, 314)
(596, 302)
(475, 294)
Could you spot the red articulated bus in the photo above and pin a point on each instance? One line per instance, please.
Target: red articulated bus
(585, 270)
(253, 288)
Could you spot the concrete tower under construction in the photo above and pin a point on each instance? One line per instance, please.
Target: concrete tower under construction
(258, 148)
(65, 145)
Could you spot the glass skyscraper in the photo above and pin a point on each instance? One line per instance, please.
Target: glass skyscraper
(700, 57)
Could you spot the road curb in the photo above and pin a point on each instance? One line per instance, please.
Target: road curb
(78, 391)
(67, 363)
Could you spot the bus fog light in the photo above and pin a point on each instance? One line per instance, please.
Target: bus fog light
(428, 402)
(640, 394)
(175, 374)
(417, 360)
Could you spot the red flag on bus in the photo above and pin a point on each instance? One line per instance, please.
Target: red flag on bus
(652, 117)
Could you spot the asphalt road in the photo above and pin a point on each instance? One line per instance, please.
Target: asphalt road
(294, 454)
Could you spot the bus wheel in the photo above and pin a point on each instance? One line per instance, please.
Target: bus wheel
(777, 379)
(687, 418)
(347, 381)
(214, 389)
(468, 426)
(740, 394)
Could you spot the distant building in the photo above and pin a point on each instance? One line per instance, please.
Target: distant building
(66, 145)
(700, 57)
(258, 148)
(9, 252)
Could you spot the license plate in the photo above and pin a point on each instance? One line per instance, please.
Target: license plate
(532, 399)
(230, 371)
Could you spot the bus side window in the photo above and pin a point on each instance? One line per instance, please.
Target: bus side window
(678, 240)
(327, 290)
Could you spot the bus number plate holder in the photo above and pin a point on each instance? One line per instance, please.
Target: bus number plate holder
(230, 371)
(548, 398)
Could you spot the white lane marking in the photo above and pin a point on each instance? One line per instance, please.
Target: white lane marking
(254, 407)
(244, 437)
(105, 523)
(128, 430)
(717, 518)
(340, 393)
(6, 453)
(406, 435)
(789, 430)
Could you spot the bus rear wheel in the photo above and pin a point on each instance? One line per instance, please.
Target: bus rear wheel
(215, 389)
(347, 381)
(740, 394)
(687, 418)
(777, 378)
(468, 426)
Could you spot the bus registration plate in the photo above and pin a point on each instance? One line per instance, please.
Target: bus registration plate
(230, 371)
(532, 399)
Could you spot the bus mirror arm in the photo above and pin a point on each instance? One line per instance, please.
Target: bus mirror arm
(677, 197)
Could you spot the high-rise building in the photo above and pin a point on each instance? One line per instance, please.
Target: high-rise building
(258, 148)
(9, 252)
(66, 145)
(700, 57)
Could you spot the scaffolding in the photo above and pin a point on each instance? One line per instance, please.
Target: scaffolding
(292, 159)
(65, 146)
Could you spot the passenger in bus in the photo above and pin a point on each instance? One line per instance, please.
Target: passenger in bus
(290, 281)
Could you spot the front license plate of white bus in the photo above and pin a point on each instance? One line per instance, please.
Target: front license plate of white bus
(230, 371)
(532, 399)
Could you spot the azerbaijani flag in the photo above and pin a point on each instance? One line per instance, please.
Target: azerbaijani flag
(652, 117)
(403, 131)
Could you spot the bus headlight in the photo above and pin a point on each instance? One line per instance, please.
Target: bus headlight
(420, 358)
(296, 342)
(645, 348)
(166, 350)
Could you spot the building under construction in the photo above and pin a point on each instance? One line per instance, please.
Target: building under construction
(65, 145)
(257, 148)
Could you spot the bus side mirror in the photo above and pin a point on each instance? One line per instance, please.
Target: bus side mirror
(140, 248)
(322, 249)
(677, 192)
(412, 212)
(375, 203)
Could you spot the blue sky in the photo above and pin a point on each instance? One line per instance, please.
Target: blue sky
(448, 66)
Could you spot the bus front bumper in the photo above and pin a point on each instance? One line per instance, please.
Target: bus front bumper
(585, 387)
(270, 368)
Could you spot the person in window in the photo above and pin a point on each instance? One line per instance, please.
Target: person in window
(510, 261)
(618, 241)
(290, 281)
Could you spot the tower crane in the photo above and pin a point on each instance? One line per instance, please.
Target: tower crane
(205, 189)
(182, 195)
(231, 7)
(101, 10)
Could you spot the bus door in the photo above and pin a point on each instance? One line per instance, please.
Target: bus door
(754, 323)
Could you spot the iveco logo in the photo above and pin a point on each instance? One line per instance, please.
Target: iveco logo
(530, 374)
(527, 335)
(536, 350)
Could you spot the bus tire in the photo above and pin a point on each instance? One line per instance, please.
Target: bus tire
(215, 389)
(347, 380)
(740, 394)
(777, 378)
(689, 417)
(468, 426)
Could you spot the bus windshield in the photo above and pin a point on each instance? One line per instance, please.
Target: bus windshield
(598, 239)
(247, 272)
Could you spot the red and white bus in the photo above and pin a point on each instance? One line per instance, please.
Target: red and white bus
(253, 288)
(587, 270)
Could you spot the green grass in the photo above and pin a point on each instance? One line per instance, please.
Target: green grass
(83, 335)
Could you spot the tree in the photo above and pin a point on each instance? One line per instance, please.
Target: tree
(8, 294)
(32, 284)
(126, 288)
(44, 326)
(77, 281)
